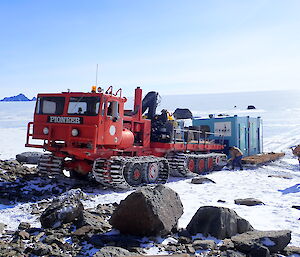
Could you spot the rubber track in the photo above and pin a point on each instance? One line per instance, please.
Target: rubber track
(50, 164)
(112, 172)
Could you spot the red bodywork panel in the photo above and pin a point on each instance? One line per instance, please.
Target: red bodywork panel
(107, 133)
(160, 149)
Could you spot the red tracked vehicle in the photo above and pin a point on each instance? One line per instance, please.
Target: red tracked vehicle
(91, 132)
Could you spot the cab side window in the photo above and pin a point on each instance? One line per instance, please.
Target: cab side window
(113, 109)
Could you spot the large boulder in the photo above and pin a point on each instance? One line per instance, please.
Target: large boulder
(275, 240)
(219, 222)
(148, 211)
(29, 157)
(63, 209)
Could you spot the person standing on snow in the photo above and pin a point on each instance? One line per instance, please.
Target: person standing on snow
(236, 157)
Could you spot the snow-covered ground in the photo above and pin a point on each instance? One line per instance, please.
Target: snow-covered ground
(280, 112)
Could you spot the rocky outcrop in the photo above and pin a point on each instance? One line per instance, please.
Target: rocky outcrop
(12, 170)
(65, 241)
(19, 183)
(64, 209)
(248, 202)
(219, 222)
(148, 211)
(84, 234)
(275, 240)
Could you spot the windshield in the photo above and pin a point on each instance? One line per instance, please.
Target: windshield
(84, 106)
(50, 105)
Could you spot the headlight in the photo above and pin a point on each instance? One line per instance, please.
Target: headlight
(46, 131)
(75, 132)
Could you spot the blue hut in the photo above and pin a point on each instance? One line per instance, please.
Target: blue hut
(243, 132)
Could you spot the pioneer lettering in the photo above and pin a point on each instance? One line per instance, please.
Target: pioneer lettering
(67, 120)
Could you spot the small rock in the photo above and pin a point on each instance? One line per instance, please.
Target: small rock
(126, 241)
(226, 245)
(296, 207)
(231, 253)
(248, 202)
(171, 248)
(39, 236)
(190, 249)
(251, 107)
(111, 251)
(184, 240)
(2, 227)
(138, 250)
(290, 250)
(41, 249)
(106, 209)
(259, 251)
(83, 230)
(275, 240)
(204, 244)
(24, 235)
(181, 249)
(96, 222)
(24, 226)
(221, 201)
(183, 232)
(201, 180)
(52, 239)
(279, 176)
(64, 209)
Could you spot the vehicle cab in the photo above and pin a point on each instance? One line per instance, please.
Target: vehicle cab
(76, 121)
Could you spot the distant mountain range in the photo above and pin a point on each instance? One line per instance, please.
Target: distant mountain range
(17, 98)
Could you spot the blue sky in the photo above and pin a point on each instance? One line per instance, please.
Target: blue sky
(174, 47)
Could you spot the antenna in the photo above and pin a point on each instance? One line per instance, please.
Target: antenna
(97, 75)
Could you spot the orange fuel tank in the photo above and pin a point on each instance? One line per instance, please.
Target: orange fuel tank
(127, 139)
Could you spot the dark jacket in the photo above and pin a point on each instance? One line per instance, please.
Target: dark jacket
(235, 152)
